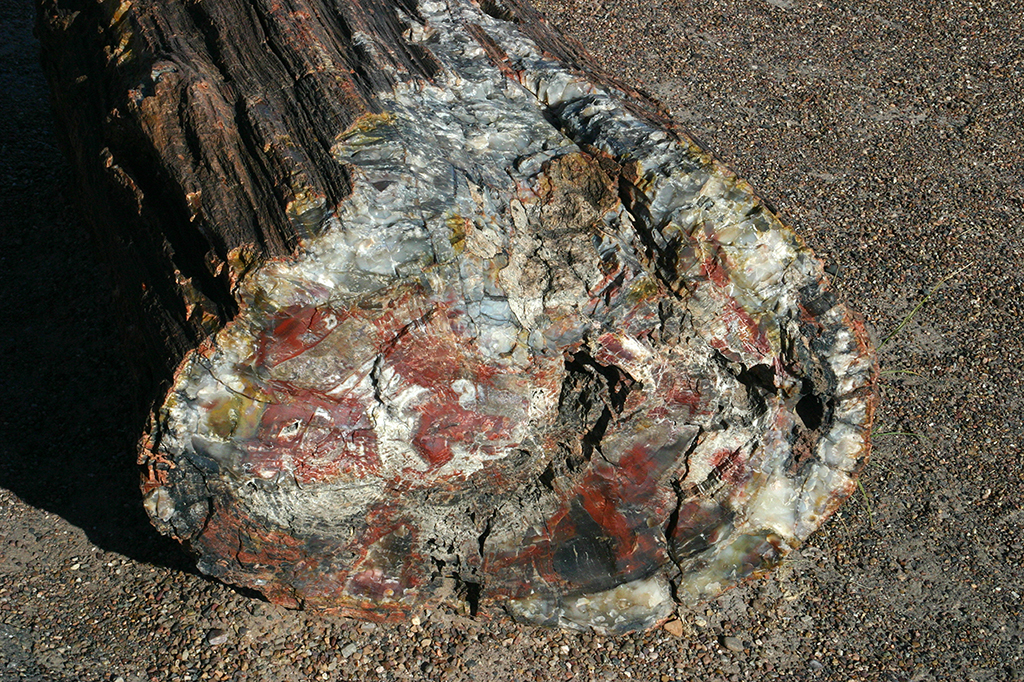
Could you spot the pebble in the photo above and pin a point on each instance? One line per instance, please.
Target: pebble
(732, 643)
(674, 627)
(216, 637)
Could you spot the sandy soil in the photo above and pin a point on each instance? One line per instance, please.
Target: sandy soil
(887, 132)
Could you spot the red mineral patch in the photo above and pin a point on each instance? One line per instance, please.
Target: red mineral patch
(294, 331)
(315, 438)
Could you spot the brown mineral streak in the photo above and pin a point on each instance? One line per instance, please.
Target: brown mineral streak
(218, 126)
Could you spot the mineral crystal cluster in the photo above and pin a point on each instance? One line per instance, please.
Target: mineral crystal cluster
(548, 355)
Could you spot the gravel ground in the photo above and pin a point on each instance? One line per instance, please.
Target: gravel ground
(888, 133)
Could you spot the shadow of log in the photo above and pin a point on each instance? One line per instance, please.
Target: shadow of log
(69, 427)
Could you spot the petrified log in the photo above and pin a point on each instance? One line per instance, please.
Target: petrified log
(487, 326)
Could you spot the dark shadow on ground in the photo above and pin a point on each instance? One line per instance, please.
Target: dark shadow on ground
(67, 428)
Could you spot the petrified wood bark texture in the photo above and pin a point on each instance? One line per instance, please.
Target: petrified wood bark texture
(487, 326)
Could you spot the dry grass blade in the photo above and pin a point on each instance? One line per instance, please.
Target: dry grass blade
(920, 304)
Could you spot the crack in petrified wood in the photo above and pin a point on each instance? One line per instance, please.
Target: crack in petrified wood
(546, 348)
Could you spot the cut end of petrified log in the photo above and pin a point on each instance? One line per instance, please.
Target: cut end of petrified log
(546, 352)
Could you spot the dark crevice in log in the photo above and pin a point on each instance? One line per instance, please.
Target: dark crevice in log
(592, 394)
(759, 381)
(473, 591)
(548, 476)
(811, 408)
(498, 10)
